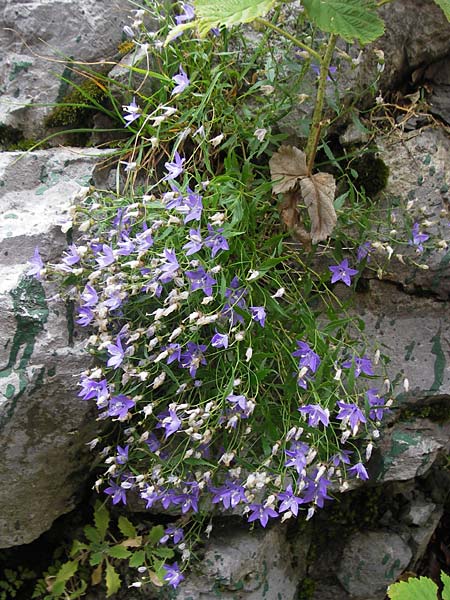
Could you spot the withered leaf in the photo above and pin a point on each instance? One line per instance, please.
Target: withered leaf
(287, 167)
(318, 194)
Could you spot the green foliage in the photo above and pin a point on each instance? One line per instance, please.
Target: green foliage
(12, 582)
(98, 558)
(350, 19)
(445, 5)
(421, 588)
(77, 106)
(215, 13)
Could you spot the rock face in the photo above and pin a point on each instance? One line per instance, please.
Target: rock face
(43, 425)
(371, 561)
(41, 39)
(239, 566)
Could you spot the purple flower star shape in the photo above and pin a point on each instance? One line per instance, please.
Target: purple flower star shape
(85, 316)
(89, 296)
(187, 15)
(173, 576)
(201, 280)
(117, 493)
(219, 340)
(119, 406)
(116, 353)
(362, 365)
(359, 471)
(342, 272)
(289, 501)
(315, 414)
(350, 413)
(36, 265)
(261, 513)
(182, 81)
(195, 243)
(258, 314)
(170, 422)
(215, 241)
(175, 168)
(133, 110)
(418, 237)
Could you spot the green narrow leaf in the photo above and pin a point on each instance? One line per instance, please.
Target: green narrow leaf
(118, 552)
(351, 19)
(214, 13)
(446, 581)
(445, 5)
(413, 589)
(112, 580)
(127, 528)
(92, 534)
(101, 519)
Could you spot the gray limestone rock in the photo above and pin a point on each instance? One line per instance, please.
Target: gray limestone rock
(419, 184)
(41, 38)
(44, 427)
(370, 562)
(244, 566)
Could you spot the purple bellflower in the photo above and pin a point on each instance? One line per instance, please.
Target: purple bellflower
(362, 365)
(261, 513)
(316, 414)
(175, 168)
(36, 265)
(418, 237)
(182, 81)
(133, 112)
(173, 576)
(119, 406)
(258, 314)
(359, 471)
(289, 501)
(116, 353)
(201, 280)
(350, 413)
(342, 272)
(219, 340)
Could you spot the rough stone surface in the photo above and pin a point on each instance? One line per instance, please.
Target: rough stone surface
(43, 425)
(409, 449)
(412, 332)
(409, 45)
(419, 182)
(370, 562)
(41, 39)
(244, 567)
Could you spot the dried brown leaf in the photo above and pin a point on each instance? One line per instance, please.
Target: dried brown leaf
(318, 194)
(290, 217)
(287, 167)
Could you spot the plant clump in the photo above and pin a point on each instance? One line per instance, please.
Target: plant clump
(231, 376)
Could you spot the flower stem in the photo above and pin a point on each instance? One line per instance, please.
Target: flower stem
(290, 37)
(316, 124)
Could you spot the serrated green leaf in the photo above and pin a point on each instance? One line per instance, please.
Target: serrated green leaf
(96, 558)
(119, 552)
(137, 559)
(78, 547)
(112, 580)
(413, 589)
(127, 528)
(67, 570)
(445, 6)
(101, 519)
(163, 552)
(92, 534)
(155, 534)
(446, 581)
(351, 19)
(215, 13)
